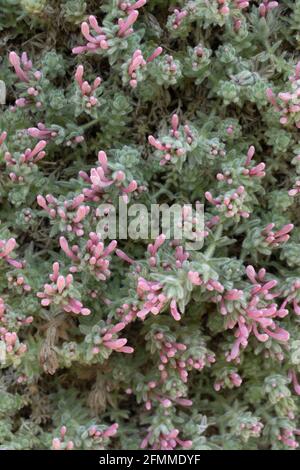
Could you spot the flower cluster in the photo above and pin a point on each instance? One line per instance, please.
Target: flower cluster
(6, 248)
(70, 213)
(94, 257)
(60, 293)
(23, 69)
(176, 145)
(106, 337)
(100, 179)
(167, 441)
(287, 103)
(86, 89)
(259, 314)
(103, 38)
(136, 64)
(92, 438)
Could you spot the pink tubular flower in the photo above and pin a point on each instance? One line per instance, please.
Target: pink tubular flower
(94, 256)
(179, 16)
(118, 345)
(124, 257)
(131, 188)
(18, 63)
(97, 434)
(272, 98)
(214, 285)
(174, 310)
(127, 313)
(241, 4)
(296, 189)
(225, 6)
(257, 171)
(2, 308)
(111, 431)
(6, 248)
(41, 132)
(137, 61)
(277, 238)
(58, 293)
(70, 212)
(3, 136)
(227, 298)
(155, 54)
(250, 154)
(236, 379)
(86, 89)
(72, 253)
(94, 35)
(194, 278)
(127, 6)
(266, 6)
(153, 249)
(212, 222)
(31, 156)
(125, 28)
(180, 257)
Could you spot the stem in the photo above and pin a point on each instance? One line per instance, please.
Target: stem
(90, 124)
(211, 249)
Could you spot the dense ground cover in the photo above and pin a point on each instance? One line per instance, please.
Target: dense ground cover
(125, 343)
